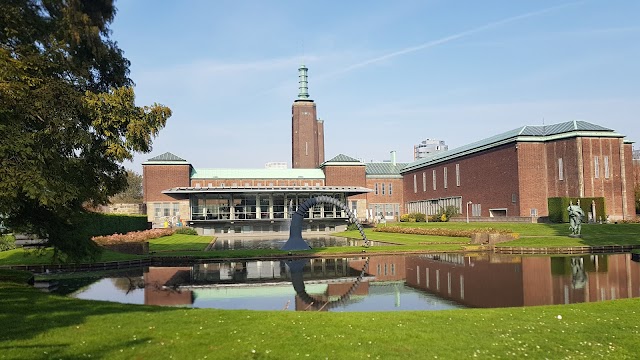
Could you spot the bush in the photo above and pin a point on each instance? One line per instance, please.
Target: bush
(558, 208)
(413, 217)
(98, 224)
(134, 236)
(7, 242)
(186, 231)
(442, 232)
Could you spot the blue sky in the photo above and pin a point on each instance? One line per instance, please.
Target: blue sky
(385, 75)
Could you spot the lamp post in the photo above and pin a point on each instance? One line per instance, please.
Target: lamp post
(468, 203)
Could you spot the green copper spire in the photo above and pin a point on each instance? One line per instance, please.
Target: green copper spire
(304, 90)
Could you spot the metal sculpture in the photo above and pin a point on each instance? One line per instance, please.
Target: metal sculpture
(296, 242)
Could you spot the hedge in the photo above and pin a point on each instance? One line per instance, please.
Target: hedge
(558, 207)
(99, 224)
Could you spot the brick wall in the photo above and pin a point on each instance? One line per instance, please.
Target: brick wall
(532, 175)
(304, 132)
(156, 178)
(396, 196)
(339, 175)
(489, 178)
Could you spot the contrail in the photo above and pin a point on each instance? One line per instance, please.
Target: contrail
(449, 38)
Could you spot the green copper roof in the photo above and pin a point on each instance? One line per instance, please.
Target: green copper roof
(342, 158)
(303, 94)
(384, 168)
(257, 174)
(540, 133)
(166, 157)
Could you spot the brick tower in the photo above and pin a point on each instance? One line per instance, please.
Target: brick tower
(307, 131)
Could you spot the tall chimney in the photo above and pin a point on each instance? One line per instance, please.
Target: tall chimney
(393, 157)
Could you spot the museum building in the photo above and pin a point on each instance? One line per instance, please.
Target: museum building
(509, 175)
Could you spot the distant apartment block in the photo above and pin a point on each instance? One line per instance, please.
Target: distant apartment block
(428, 147)
(275, 165)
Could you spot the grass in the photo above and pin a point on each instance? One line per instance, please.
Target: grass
(45, 326)
(179, 242)
(531, 235)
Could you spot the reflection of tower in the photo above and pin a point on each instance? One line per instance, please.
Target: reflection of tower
(307, 131)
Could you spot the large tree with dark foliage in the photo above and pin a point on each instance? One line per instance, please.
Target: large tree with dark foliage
(67, 117)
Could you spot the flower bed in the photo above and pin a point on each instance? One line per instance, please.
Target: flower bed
(442, 232)
(132, 237)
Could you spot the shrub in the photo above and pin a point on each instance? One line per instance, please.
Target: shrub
(558, 207)
(441, 232)
(134, 236)
(413, 217)
(186, 231)
(7, 242)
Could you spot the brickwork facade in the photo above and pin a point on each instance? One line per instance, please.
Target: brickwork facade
(346, 175)
(489, 178)
(156, 178)
(305, 143)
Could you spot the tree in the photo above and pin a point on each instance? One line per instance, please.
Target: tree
(67, 117)
(133, 192)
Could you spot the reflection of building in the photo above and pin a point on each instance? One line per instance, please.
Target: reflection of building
(428, 147)
(531, 281)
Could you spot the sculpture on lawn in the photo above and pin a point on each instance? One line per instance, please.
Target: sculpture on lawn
(575, 218)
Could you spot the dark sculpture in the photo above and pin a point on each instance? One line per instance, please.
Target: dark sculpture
(296, 242)
(296, 271)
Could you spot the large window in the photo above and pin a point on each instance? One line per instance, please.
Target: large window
(457, 174)
(382, 188)
(606, 167)
(434, 206)
(415, 184)
(445, 177)
(434, 179)
(596, 167)
(424, 181)
(376, 188)
(560, 169)
(390, 189)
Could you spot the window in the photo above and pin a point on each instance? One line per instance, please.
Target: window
(457, 174)
(390, 189)
(415, 184)
(560, 169)
(514, 198)
(434, 179)
(476, 210)
(382, 188)
(445, 177)
(606, 167)
(424, 181)
(376, 189)
(534, 212)
(596, 167)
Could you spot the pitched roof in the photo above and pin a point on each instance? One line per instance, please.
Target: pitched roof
(384, 168)
(257, 174)
(166, 157)
(525, 133)
(342, 158)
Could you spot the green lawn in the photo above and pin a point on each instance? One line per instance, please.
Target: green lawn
(403, 239)
(44, 326)
(179, 242)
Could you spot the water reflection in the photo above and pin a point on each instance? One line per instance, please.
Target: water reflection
(379, 283)
(261, 243)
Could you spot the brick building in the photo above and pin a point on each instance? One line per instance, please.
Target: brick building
(514, 173)
(507, 175)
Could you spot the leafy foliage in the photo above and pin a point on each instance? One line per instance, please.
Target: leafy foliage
(132, 194)
(444, 214)
(413, 217)
(7, 242)
(186, 231)
(67, 117)
(558, 207)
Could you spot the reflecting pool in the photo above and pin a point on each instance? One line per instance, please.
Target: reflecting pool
(376, 283)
